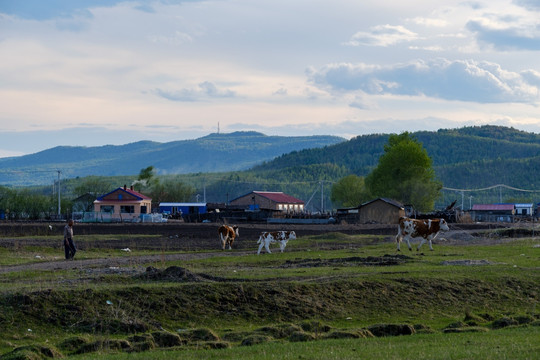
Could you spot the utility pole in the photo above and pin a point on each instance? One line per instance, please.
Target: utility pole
(59, 209)
(204, 193)
(322, 197)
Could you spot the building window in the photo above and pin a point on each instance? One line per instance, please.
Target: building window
(107, 208)
(143, 209)
(280, 206)
(127, 209)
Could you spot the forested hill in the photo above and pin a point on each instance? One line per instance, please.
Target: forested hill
(213, 153)
(468, 157)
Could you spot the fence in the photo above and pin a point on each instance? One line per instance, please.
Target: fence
(108, 217)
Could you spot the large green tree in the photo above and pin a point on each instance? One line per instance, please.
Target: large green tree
(405, 173)
(146, 179)
(349, 191)
(95, 185)
(171, 191)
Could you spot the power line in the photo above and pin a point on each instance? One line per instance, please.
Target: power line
(490, 188)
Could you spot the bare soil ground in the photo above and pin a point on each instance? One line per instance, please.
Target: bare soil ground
(197, 241)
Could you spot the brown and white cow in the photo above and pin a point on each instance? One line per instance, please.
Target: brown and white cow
(281, 237)
(227, 234)
(426, 229)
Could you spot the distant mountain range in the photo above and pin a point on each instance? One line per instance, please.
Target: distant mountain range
(466, 158)
(212, 153)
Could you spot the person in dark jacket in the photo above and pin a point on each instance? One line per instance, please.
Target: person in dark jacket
(69, 245)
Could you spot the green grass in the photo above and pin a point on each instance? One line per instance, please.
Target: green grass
(515, 343)
(276, 288)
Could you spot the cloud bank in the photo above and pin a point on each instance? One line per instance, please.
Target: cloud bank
(462, 80)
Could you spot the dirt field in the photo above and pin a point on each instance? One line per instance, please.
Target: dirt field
(193, 239)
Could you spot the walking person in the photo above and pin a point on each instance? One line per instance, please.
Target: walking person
(69, 245)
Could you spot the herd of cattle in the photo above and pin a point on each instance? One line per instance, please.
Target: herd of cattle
(424, 229)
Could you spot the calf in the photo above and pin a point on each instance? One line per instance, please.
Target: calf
(426, 229)
(227, 235)
(281, 237)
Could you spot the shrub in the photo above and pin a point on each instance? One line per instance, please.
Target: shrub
(167, 339)
(340, 334)
(315, 327)
(255, 339)
(32, 352)
(468, 329)
(73, 343)
(281, 331)
(503, 322)
(200, 335)
(391, 329)
(300, 336)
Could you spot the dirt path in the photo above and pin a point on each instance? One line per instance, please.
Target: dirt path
(116, 261)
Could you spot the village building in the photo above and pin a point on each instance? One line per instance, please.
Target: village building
(493, 212)
(268, 200)
(177, 209)
(377, 211)
(122, 204)
(524, 209)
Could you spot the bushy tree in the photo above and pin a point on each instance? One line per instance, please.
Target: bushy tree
(405, 173)
(146, 179)
(349, 191)
(95, 185)
(171, 191)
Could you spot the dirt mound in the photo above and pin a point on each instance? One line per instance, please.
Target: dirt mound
(176, 274)
(386, 260)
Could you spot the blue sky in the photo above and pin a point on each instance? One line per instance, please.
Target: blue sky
(96, 72)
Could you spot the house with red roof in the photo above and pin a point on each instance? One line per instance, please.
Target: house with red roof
(269, 200)
(122, 204)
(493, 212)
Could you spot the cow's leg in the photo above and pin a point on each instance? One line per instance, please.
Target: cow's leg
(260, 247)
(230, 244)
(267, 246)
(398, 241)
(421, 243)
(222, 242)
(282, 245)
(430, 241)
(408, 242)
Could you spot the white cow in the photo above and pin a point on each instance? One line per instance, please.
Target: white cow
(281, 237)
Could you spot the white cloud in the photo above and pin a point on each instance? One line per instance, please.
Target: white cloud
(469, 80)
(180, 64)
(382, 35)
(430, 22)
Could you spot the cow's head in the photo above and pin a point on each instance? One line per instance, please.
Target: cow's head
(292, 235)
(235, 228)
(443, 225)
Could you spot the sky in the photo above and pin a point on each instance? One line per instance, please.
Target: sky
(97, 72)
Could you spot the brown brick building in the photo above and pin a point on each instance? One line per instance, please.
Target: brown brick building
(268, 200)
